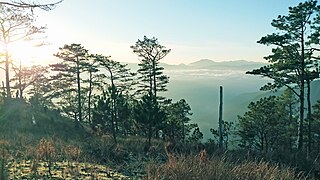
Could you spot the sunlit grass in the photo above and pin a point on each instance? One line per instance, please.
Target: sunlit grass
(61, 170)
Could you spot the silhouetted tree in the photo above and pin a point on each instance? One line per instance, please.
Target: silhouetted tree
(101, 115)
(228, 129)
(33, 77)
(93, 81)
(177, 125)
(15, 24)
(150, 73)
(196, 136)
(75, 59)
(263, 126)
(152, 79)
(289, 101)
(291, 55)
(124, 114)
(121, 80)
(149, 116)
(106, 114)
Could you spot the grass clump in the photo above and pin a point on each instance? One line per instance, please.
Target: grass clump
(197, 167)
(4, 155)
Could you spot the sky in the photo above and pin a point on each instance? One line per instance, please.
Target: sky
(220, 30)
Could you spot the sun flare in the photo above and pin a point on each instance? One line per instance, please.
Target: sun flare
(21, 52)
(26, 53)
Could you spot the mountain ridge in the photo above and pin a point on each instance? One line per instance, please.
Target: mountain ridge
(209, 65)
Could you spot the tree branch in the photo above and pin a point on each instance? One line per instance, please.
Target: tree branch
(22, 4)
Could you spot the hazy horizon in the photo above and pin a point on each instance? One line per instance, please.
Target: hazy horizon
(221, 31)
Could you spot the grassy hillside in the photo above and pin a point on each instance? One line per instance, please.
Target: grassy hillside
(46, 145)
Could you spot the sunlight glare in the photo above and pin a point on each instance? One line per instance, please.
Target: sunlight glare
(25, 52)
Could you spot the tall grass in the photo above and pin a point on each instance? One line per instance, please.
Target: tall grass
(195, 167)
(4, 155)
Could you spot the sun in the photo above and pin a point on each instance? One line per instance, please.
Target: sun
(21, 51)
(25, 52)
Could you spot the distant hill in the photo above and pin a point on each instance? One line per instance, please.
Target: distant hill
(203, 63)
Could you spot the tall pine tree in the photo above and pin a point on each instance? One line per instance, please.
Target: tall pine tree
(74, 58)
(291, 55)
(151, 81)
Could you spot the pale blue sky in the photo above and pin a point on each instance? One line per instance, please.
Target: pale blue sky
(194, 29)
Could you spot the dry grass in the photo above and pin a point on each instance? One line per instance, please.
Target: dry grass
(195, 167)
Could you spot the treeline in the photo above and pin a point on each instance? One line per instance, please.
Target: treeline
(103, 94)
(97, 92)
(92, 89)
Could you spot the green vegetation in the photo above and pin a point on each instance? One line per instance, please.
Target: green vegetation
(89, 116)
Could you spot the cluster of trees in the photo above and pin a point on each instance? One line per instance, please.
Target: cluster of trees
(93, 89)
(97, 90)
(272, 122)
(289, 122)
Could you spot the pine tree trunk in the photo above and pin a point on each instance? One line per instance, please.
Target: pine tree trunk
(154, 79)
(149, 135)
(89, 98)
(113, 122)
(309, 115)
(113, 108)
(20, 82)
(301, 98)
(290, 123)
(7, 70)
(220, 119)
(79, 92)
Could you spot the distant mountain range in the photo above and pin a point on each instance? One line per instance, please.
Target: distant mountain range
(210, 64)
(237, 64)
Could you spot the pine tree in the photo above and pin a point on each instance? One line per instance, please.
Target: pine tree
(152, 79)
(177, 126)
(263, 126)
(121, 80)
(292, 55)
(74, 58)
(149, 116)
(15, 24)
(33, 77)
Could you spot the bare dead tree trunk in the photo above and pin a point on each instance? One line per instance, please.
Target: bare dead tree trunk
(220, 119)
